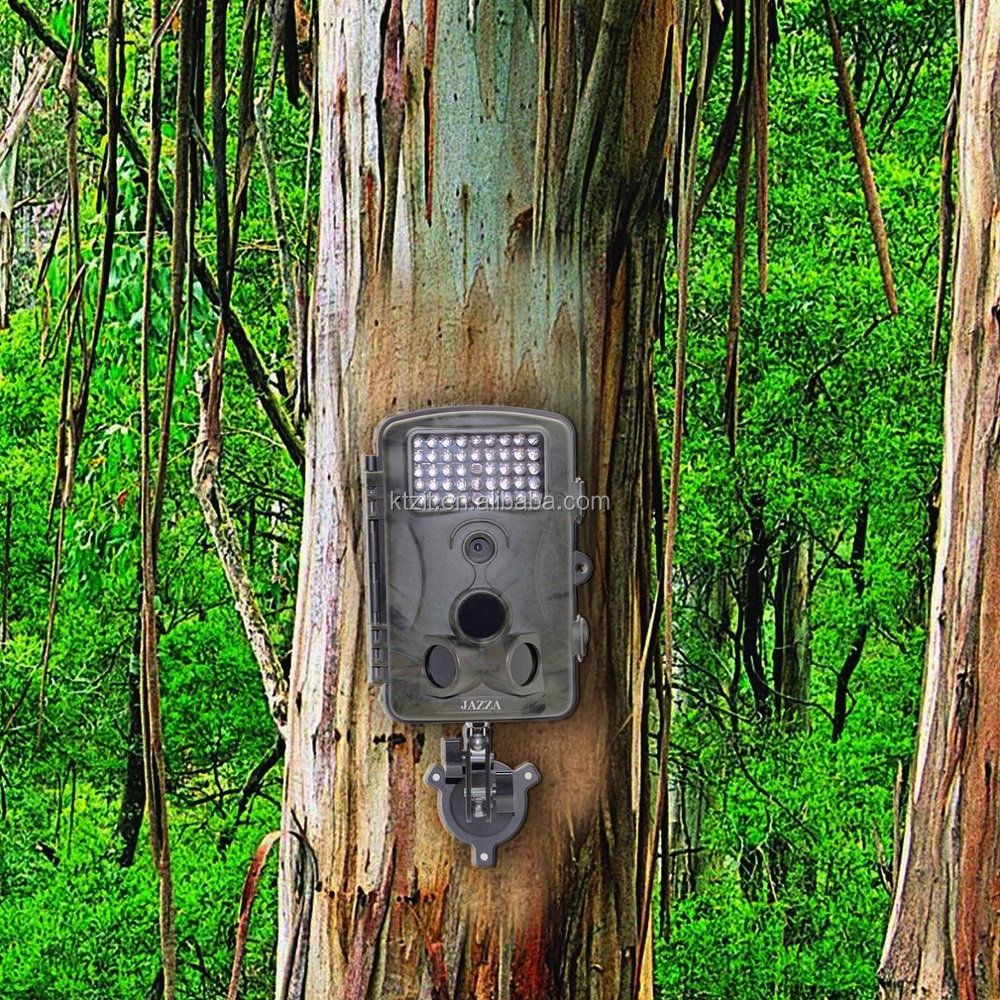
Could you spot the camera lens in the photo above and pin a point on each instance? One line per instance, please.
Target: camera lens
(481, 616)
(480, 548)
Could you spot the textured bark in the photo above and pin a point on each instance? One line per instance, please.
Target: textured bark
(491, 227)
(944, 933)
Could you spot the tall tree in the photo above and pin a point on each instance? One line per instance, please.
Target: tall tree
(791, 657)
(492, 221)
(944, 933)
(8, 178)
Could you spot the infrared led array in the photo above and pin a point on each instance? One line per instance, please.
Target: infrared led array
(464, 469)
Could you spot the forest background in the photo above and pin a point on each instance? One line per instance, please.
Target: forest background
(804, 547)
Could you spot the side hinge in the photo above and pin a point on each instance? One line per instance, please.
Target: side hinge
(577, 494)
(378, 624)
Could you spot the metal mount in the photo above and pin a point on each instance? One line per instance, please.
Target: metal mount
(481, 801)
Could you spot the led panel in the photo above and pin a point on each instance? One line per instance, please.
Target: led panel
(466, 470)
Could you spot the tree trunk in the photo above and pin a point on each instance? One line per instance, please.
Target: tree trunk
(688, 806)
(689, 797)
(944, 933)
(491, 230)
(133, 804)
(751, 623)
(857, 648)
(8, 176)
(792, 656)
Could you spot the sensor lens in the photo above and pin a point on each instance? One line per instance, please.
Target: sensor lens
(480, 548)
(523, 663)
(441, 666)
(481, 616)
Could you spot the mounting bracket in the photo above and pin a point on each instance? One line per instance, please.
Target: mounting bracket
(481, 801)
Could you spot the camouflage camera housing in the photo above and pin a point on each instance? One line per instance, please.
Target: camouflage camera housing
(472, 567)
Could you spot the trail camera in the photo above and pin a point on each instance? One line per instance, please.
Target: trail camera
(471, 517)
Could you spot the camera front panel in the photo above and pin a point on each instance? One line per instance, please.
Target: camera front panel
(472, 564)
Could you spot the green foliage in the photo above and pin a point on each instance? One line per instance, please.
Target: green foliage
(87, 928)
(782, 894)
(77, 922)
(839, 412)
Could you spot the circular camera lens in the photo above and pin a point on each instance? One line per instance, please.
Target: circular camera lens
(523, 662)
(441, 666)
(480, 548)
(481, 616)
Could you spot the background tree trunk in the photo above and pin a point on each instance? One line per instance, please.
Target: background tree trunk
(133, 801)
(792, 656)
(944, 933)
(751, 623)
(8, 180)
(689, 796)
(491, 231)
(857, 648)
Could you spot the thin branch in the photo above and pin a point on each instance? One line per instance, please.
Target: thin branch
(28, 98)
(272, 404)
(154, 766)
(292, 976)
(285, 264)
(731, 394)
(69, 429)
(872, 203)
(212, 498)
(760, 12)
(251, 788)
(685, 218)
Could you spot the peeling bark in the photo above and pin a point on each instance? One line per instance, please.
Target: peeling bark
(495, 274)
(944, 934)
(8, 180)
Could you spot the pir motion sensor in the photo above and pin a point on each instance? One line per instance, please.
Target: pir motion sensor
(471, 591)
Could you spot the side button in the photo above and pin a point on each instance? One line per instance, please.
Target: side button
(581, 635)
